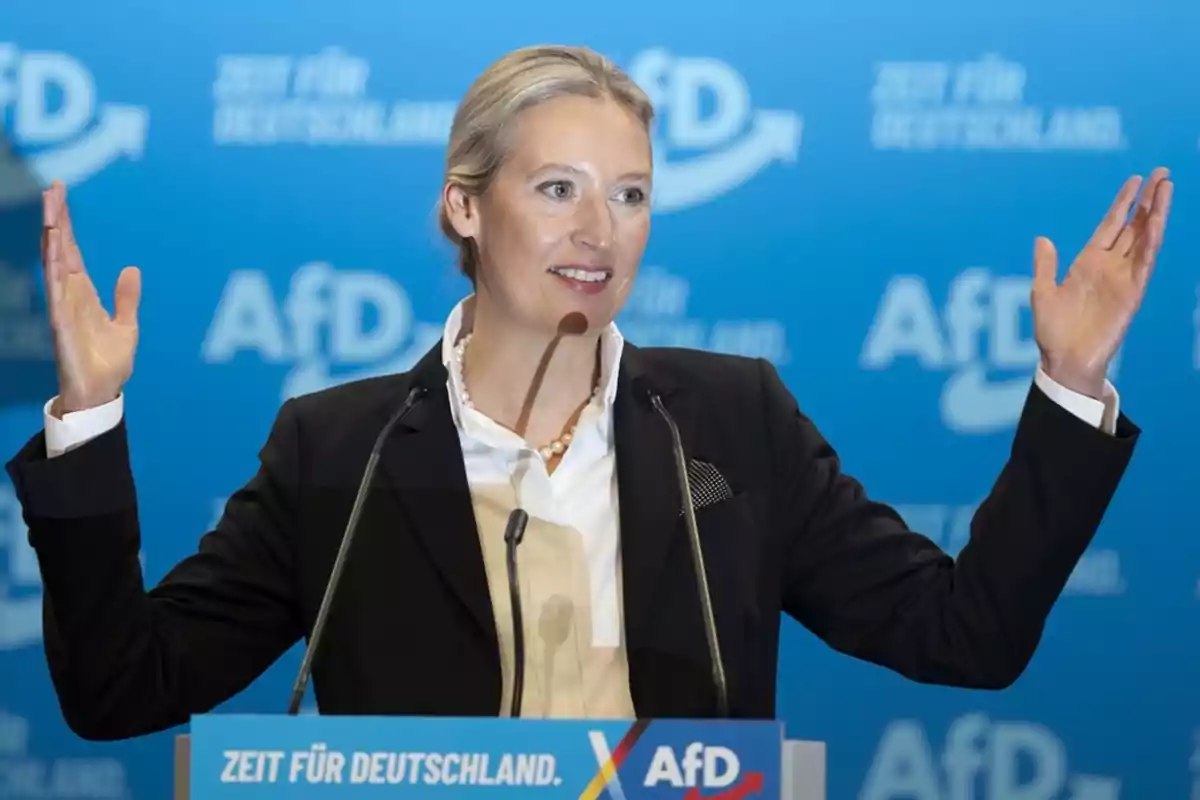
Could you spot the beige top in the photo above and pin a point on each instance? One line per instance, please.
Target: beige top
(568, 563)
(566, 675)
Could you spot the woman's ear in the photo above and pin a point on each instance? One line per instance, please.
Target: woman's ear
(461, 211)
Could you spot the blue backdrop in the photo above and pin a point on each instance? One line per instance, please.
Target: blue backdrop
(850, 189)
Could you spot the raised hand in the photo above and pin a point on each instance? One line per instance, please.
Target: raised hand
(93, 351)
(1080, 323)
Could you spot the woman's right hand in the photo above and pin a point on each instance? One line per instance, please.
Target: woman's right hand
(93, 351)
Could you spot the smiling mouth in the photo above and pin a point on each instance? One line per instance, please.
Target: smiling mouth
(583, 274)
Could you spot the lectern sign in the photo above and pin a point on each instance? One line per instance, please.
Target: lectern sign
(239, 756)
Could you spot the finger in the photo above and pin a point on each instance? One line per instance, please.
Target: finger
(127, 296)
(49, 203)
(1133, 234)
(1156, 222)
(44, 246)
(57, 195)
(1106, 233)
(1045, 266)
(1150, 191)
(49, 216)
(1146, 254)
(53, 276)
(1130, 241)
(72, 258)
(1162, 199)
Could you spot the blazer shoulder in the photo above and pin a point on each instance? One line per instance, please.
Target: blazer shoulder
(350, 398)
(722, 373)
(330, 422)
(745, 392)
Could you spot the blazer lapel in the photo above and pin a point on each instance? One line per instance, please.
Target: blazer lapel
(647, 483)
(424, 465)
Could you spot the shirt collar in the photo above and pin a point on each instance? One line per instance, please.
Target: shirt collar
(612, 343)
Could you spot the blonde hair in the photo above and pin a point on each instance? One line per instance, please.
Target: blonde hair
(519, 80)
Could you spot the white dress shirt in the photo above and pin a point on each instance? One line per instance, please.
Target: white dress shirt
(569, 560)
(580, 494)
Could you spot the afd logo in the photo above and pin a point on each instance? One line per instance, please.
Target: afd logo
(707, 772)
(20, 579)
(981, 760)
(977, 398)
(329, 318)
(53, 115)
(733, 143)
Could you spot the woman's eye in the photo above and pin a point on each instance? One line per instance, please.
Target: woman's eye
(560, 190)
(635, 195)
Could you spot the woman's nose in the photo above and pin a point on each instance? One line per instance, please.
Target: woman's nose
(595, 225)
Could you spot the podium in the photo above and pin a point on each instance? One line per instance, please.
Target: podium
(239, 756)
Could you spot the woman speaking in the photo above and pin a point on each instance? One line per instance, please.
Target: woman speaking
(533, 400)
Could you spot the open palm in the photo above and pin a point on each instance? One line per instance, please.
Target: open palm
(93, 350)
(1079, 324)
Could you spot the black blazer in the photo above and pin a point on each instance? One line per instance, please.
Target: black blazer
(412, 630)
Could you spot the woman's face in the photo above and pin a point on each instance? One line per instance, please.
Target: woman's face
(561, 230)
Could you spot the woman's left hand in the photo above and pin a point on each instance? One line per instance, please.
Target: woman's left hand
(1080, 323)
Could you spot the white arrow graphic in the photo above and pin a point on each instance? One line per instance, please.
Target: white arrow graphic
(775, 137)
(121, 131)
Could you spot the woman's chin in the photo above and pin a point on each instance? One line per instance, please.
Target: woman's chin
(569, 320)
(582, 314)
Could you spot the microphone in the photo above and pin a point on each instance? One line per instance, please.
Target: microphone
(514, 532)
(701, 574)
(339, 563)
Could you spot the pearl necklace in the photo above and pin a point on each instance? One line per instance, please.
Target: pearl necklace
(554, 448)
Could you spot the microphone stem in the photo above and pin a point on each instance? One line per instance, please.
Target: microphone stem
(513, 534)
(701, 573)
(339, 562)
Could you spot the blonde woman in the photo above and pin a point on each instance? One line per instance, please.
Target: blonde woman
(534, 400)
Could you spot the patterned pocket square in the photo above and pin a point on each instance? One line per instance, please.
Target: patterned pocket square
(707, 483)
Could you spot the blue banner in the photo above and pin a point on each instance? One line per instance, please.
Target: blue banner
(238, 756)
(849, 189)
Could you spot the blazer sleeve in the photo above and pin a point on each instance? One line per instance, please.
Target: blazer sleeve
(856, 576)
(126, 661)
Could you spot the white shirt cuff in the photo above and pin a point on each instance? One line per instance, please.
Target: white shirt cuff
(1100, 414)
(79, 427)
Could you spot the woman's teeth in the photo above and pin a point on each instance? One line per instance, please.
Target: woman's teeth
(585, 275)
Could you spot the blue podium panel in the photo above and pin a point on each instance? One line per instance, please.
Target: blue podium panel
(259, 756)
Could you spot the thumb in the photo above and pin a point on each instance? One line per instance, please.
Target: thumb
(1045, 265)
(127, 296)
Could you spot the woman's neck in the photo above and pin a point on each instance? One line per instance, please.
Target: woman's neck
(534, 383)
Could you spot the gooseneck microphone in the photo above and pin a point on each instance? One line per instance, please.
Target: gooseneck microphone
(514, 532)
(339, 563)
(701, 574)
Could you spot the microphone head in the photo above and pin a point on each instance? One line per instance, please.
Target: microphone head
(514, 531)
